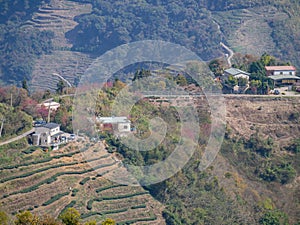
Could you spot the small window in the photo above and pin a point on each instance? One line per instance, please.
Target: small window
(126, 127)
(281, 73)
(291, 73)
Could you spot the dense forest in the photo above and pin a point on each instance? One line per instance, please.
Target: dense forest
(189, 23)
(112, 23)
(116, 22)
(20, 46)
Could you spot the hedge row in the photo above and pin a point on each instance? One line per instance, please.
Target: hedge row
(40, 161)
(70, 205)
(89, 214)
(139, 206)
(152, 218)
(124, 196)
(48, 181)
(55, 198)
(109, 187)
(105, 198)
(37, 171)
(84, 181)
(43, 169)
(54, 178)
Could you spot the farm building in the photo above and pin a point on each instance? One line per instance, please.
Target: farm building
(114, 124)
(283, 80)
(236, 73)
(47, 135)
(280, 70)
(53, 106)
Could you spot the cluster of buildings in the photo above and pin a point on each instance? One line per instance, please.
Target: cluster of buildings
(280, 75)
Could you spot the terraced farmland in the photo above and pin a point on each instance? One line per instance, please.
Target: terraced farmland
(248, 30)
(67, 178)
(58, 16)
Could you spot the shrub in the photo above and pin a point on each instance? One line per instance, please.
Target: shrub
(84, 181)
(55, 198)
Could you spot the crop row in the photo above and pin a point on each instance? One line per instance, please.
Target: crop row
(84, 181)
(109, 187)
(44, 169)
(105, 198)
(89, 214)
(55, 198)
(152, 218)
(37, 171)
(54, 178)
(40, 161)
(70, 205)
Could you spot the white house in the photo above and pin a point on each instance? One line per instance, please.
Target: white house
(46, 135)
(119, 124)
(53, 106)
(236, 73)
(280, 70)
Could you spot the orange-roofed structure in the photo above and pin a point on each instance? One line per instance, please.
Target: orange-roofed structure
(280, 70)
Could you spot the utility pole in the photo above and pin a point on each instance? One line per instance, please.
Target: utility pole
(2, 122)
(48, 120)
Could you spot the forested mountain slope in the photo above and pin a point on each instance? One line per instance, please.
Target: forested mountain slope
(251, 27)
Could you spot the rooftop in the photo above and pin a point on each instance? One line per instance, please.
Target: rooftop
(51, 125)
(235, 71)
(113, 119)
(280, 68)
(283, 77)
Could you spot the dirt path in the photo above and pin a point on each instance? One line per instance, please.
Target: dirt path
(17, 138)
(229, 51)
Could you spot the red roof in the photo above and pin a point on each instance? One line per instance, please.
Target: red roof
(280, 68)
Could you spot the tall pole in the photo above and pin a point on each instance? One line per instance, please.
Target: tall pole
(49, 113)
(2, 122)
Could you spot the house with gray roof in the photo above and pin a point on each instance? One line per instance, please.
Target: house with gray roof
(47, 135)
(236, 73)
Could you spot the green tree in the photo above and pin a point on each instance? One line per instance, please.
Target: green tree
(93, 222)
(24, 85)
(231, 81)
(26, 218)
(274, 217)
(3, 218)
(60, 87)
(70, 217)
(242, 82)
(181, 80)
(108, 221)
(141, 74)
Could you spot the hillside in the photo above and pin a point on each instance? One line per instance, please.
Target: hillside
(58, 16)
(65, 36)
(48, 183)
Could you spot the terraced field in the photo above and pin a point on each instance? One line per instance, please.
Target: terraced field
(58, 16)
(68, 178)
(244, 29)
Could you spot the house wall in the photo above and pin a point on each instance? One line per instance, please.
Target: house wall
(242, 76)
(290, 72)
(124, 127)
(45, 139)
(54, 131)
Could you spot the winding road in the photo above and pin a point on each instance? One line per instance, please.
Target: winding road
(229, 51)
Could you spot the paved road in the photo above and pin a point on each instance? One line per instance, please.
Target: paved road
(17, 138)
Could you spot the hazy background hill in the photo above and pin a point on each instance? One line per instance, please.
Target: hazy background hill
(41, 38)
